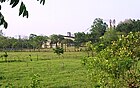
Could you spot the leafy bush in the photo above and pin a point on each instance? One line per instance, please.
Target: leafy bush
(35, 83)
(116, 66)
(58, 50)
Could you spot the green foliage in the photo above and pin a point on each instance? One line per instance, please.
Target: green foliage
(117, 65)
(80, 38)
(58, 50)
(35, 83)
(9, 85)
(106, 40)
(22, 10)
(97, 30)
(129, 26)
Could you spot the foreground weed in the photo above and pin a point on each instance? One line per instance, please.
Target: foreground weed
(35, 83)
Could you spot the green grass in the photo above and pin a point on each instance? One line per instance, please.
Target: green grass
(55, 72)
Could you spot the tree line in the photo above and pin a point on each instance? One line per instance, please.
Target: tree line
(95, 35)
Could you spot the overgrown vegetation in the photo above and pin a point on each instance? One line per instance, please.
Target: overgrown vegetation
(112, 59)
(116, 65)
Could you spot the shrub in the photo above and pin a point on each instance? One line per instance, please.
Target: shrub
(116, 66)
(58, 50)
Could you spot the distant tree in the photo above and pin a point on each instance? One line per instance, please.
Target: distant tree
(32, 41)
(54, 39)
(40, 40)
(3, 41)
(37, 41)
(128, 26)
(22, 10)
(80, 38)
(97, 29)
(60, 39)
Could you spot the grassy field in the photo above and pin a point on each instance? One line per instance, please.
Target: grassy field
(66, 71)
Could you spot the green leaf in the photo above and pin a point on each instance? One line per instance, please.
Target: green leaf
(5, 25)
(27, 14)
(12, 2)
(21, 9)
(16, 2)
(2, 19)
(24, 14)
(1, 22)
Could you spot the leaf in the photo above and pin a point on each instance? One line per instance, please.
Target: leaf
(21, 9)
(42, 1)
(12, 2)
(16, 2)
(2, 20)
(27, 14)
(5, 25)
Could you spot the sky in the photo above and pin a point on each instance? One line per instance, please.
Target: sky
(62, 16)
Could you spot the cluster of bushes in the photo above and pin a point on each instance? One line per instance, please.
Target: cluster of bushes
(116, 65)
(115, 62)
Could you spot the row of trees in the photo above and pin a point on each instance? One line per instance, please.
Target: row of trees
(33, 42)
(100, 28)
(95, 35)
(11, 43)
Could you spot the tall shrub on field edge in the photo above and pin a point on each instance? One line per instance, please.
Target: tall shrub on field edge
(117, 65)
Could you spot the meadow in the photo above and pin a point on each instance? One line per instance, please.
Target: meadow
(44, 69)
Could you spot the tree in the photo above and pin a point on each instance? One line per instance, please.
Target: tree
(60, 39)
(80, 38)
(106, 40)
(37, 41)
(54, 39)
(32, 40)
(97, 29)
(40, 40)
(128, 26)
(22, 10)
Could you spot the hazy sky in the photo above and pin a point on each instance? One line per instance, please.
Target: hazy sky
(62, 16)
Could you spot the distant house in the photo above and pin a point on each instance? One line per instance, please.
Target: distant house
(49, 44)
(69, 37)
